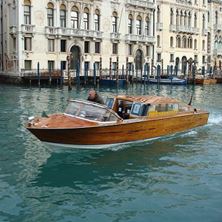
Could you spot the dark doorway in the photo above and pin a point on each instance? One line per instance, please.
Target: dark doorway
(184, 65)
(75, 60)
(139, 59)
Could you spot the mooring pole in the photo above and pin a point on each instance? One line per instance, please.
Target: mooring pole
(38, 74)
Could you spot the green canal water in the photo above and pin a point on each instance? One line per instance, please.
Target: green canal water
(175, 178)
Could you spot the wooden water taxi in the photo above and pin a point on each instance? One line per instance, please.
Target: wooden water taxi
(123, 119)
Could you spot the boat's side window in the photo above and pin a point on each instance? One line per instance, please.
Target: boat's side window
(109, 102)
(136, 109)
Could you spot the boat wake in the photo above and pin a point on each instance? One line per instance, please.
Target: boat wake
(215, 119)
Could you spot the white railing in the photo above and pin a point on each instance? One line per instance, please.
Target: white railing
(141, 3)
(139, 38)
(28, 28)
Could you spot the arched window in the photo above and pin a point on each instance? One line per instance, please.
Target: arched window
(114, 22)
(27, 12)
(50, 14)
(195, 20)
(97, 20)
(195, 44)
(178, 41)
(171, 41)
(171, 16)
(62, 16)
(184, 44)
(138, 25)
(190, 42)
(147, 26)
(189, 19)
(216, 17)
(203, 24)
(74, 17)
(158, 14)
(86, 19)
(177, 18)
(181, 17)
(130, 24)
(185, 19)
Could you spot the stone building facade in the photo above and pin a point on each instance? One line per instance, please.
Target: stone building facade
(45, 32)
(182, 33)
(172, 33)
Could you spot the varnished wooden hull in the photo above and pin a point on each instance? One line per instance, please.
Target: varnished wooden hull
(121, 132)
(205, 81)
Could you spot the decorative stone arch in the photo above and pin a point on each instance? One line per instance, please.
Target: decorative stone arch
(75, 50)
(27, 2)
(139, 59)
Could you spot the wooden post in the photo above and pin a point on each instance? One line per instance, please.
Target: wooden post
(127, 76)
(68, 70)
(117, 70)
(78, 73)
(38, 74)
(110, 67)
(100, 67)
(94, 74)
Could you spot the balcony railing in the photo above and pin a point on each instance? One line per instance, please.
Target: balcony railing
(186, 29)
(217, 51)
(115, 36)
(72, 32)
(141, 3)
(139, 38)
(28, 28)
(218, 27)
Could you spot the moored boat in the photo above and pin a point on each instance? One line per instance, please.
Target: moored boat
(173, 81)
(123, 119)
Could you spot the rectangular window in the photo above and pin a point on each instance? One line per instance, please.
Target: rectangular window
(97, 47)
(50, 17)
(28, 64)
(28, 44)
(130, 26)
(114, 24)
(51, 65)
(63, 18)
(63, 65)
(27, 14)
(171, 57)
(196, 58)
(203, 59)
(51, 45)
(158, 57)
(74, 19)
(115, 48)
(203, 45)
(63, 45)
(97, 22)
(86, 21)
(86, 46)
(130, 47)
(147, 50)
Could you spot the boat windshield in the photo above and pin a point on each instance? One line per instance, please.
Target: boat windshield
(90, 111)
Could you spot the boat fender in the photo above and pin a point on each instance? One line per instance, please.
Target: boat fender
(195, 110)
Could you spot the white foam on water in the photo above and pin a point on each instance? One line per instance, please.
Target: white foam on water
(215, 119)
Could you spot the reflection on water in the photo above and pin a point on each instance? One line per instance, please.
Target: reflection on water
(174, 178)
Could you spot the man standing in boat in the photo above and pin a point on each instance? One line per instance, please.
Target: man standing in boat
(93, 96)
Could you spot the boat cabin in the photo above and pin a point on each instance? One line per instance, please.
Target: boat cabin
(128, 107)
